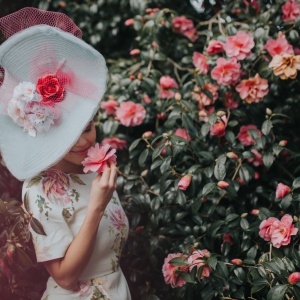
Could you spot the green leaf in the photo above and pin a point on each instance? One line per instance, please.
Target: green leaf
(220, 170)
(37, 226)
(244, 224)
(134, 144)
(277, 292)
(208, 188)
(266, 127)
(296, 183)
(200, 82)
(212, 262)
(24, 260)
(157, 151)
(181, 198)
(271, 265)
(143, 156)
(178, 261)
(268, 159)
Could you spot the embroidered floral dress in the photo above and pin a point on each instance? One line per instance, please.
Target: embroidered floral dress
(58, 204)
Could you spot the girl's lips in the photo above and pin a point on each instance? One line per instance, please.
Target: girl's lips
(81, 152)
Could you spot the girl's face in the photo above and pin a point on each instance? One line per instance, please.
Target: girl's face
(71, 163)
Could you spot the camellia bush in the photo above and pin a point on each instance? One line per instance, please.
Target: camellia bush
(203, 108)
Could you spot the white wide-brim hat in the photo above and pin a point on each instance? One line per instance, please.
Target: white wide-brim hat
(28, 55)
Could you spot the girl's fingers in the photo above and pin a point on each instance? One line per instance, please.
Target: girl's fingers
(106, 176)
(113, 175)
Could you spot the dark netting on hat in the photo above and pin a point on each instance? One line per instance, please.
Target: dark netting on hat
(30, 16)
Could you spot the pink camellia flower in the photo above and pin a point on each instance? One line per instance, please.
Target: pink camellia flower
(129, 22)
(282, 190)
(196, 259)
(290, 10)
(214, 47)
(219, 128)
(115, 143)
(222, 184)
(257, 160)
(170, 271)
(282, 231)
(202, 98)
(184, 182)
(226, 72)
(184, 26)
(253, 89)
(244, 136)
(280, 46)
(230, 102)
(237, 261)
(109, 106)
(182, 133)
(239, 46)
(199, 61)
(166, 83)
(266, 228)
(130, 113)
(98, 158)
(135, 52)
(55, 185)
(294, 278)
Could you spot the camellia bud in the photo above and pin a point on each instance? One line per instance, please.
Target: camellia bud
(140, 76)
(244, 215)
(296, 219)
(131, 77)
(10, 251)
(282, 190)
(202, 114)
(144, 173)
(177, 96)
(129, 22)
(207, 254)
(139, 229)
(282, 143)
(231, 155)
(269, 112)
(184, 182)
(255, 212)
(237, 261)
(62, 4)
(147, 135)
(134, 52)
(294, 278)
(222, 184)
(221, 113)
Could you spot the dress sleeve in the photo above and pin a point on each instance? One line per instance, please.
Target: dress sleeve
(51, 234)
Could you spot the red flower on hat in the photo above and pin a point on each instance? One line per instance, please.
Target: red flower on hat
(50, 89)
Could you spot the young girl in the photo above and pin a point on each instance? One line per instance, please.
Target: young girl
(53, 83)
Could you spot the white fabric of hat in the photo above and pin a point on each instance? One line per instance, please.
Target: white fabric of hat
(27, 57)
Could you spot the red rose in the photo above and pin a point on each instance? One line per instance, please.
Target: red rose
(50, 89)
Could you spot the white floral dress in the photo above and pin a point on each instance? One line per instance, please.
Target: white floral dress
(58, 204)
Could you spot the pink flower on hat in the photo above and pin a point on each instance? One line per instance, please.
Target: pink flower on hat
(279, 46)
(98, 158)
(131, 114)
(290, 10)
(214, 47)
(110, 106)
(244, 136)
(199, 61)
(170, 271)
(226, 72)
(239, 46)
(50, 89)
(253, 89)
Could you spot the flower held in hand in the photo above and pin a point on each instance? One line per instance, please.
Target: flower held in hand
(98, 158)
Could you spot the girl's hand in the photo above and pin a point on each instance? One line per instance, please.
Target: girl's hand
(103, 187)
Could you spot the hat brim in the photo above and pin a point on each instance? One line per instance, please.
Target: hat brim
(24, 155)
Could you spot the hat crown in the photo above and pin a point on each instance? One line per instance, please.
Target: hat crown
(31, 16)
